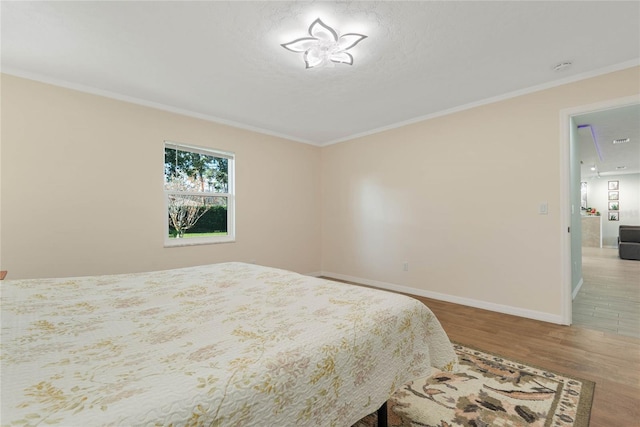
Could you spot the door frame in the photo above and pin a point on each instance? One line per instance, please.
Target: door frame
(565, 191)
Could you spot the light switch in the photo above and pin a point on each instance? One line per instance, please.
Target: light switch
(543, 208)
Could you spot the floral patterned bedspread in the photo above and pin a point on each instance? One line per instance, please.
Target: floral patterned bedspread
(228, 344)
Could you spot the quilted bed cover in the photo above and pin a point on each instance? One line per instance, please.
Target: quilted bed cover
(228, 344)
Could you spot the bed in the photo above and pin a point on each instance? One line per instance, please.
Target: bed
(228, 344)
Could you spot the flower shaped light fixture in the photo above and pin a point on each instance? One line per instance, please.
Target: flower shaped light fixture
(324, 46)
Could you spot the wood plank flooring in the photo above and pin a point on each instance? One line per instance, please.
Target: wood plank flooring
(611, 360)
(609, 299)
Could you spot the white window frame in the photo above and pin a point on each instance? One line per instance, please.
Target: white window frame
(230, 195)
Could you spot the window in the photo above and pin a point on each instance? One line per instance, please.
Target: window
(199, 195)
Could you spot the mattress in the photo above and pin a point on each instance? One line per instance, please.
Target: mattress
(229, 344)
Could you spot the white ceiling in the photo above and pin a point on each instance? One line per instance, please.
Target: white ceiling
(223, 61)
(596, 134)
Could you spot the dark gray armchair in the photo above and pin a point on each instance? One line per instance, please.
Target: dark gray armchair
(629, 242)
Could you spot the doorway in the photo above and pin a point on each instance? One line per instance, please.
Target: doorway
(600, 289)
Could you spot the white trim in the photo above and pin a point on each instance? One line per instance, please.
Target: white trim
(199, 241)
(577, 289)
(565, 191)
(200, 150)
(609, 104)
(565, 219)
(139, 101)
(208, 194)
(499, 308)
(509, 95)
(209, 118)
(230, 237)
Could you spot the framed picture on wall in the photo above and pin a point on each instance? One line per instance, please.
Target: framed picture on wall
(614, 206)
(614, 216)
(613, 185)
(613, 195)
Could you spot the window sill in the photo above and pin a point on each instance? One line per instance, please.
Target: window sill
(194, 242)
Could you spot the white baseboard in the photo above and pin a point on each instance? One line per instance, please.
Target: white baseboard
(499, 308)
(577, 289)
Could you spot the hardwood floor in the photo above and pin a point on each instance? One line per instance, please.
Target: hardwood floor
(609, 299)
(611, 360)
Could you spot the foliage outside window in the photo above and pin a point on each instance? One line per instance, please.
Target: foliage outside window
(199, 195)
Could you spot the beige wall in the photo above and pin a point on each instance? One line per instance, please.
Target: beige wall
(457, 198)
(82, 189)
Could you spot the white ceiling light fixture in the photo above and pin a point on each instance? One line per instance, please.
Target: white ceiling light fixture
(324, 47)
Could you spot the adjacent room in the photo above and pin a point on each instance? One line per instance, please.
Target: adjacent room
(477, 157)
(607, 297)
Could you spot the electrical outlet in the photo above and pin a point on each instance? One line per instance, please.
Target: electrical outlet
(405, 266)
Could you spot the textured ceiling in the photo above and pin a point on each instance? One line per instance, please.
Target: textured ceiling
(223, 60)
(596, 147)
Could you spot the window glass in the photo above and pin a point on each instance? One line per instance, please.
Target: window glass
(198, 185)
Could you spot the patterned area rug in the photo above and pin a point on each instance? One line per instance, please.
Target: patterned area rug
(490, 390)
